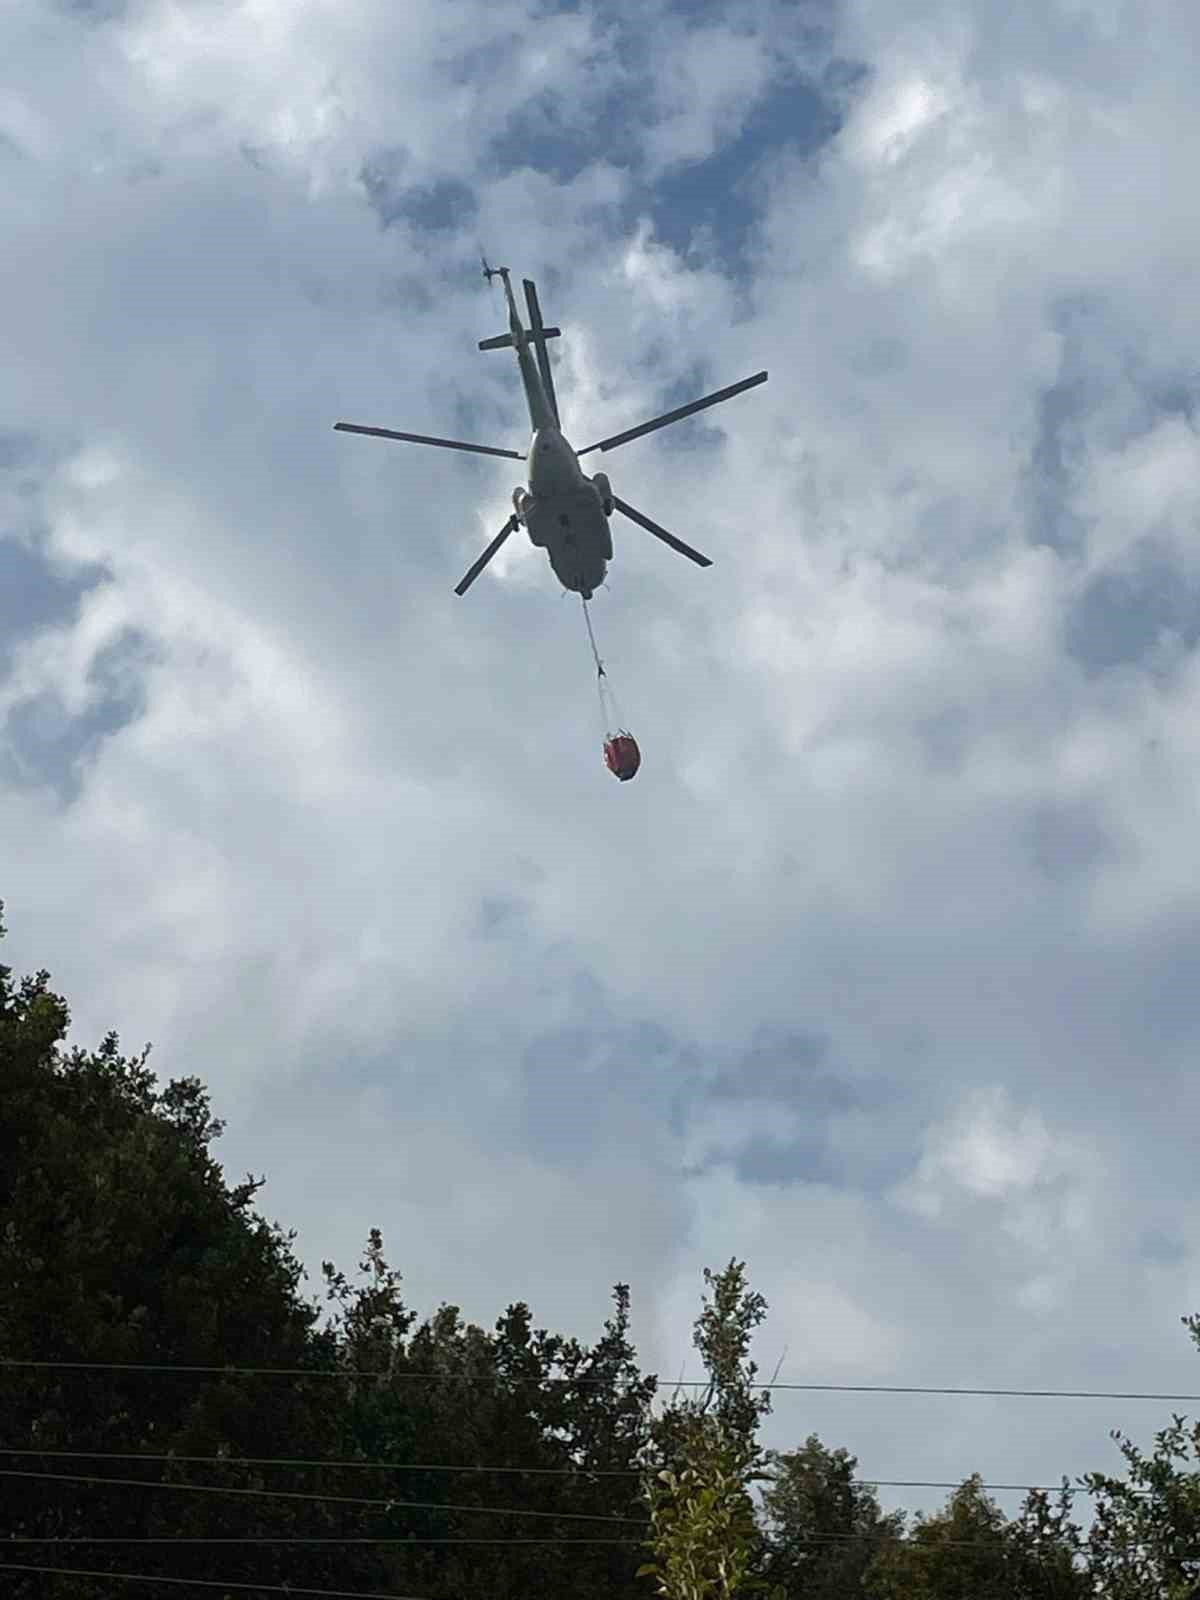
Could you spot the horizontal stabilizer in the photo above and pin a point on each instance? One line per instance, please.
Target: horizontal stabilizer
(503, 341)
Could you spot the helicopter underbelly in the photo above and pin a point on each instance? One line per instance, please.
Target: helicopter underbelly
(573, 530)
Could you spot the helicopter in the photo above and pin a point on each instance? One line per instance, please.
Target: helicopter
(564, 511)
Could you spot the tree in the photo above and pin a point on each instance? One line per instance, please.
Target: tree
(1047, 1549)
(970, 1551)
(705, 1540)
(1146, 1535)
(123, 1246)
(121, 1243)
(823, 1528)
(521, 1417)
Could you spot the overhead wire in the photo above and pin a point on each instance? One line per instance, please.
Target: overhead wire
(576, 1472)
(388, 1504)
(347, 1375)
(392, 1504)
(323, 1461)
(203, 1583)
(301, 1539)
(573, 1471)
(423, 1540)
(857, 1536)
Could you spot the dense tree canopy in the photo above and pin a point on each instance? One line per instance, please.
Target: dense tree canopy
(823, 1528)
(126, 1257)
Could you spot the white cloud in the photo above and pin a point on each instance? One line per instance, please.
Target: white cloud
(355, 859)
(1147, 488)
(989, 1151)
(716, 74)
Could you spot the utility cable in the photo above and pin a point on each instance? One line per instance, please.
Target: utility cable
(205, 1583)
(326, 1461)
(678, 1383)
(331, 1499)
(299, 1539)
(863, 1536)
(427, 1466)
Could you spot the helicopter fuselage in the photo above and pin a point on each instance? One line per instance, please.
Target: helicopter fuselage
(564, 511)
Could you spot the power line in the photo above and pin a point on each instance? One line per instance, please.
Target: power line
(678, 1383)
(202, 1488)
(273, 1539)
(330, 1461)
(205, 1583)
(576, 1472)
(932, 1483)
(864, 1536)
(329, 1499)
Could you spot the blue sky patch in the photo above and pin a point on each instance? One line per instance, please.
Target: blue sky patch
(541, 137)
(764, 1161)
(33, 596)
(1067, 840)
(41, 744)
(588, 1085)
(444, 205)
(722, 196)
(1122, 615)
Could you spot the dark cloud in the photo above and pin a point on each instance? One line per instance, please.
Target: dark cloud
(945, 737)
(33, 595)
(584, 1087)
(550, 137)
(95, 11)
(1070, 841)
(44, 745)
(767, 1162)
(1164, 1245)
(721, 197)
(879, 796)
(17, 449)
(445, 205)
(1124, 616)
(779, 1065)
(1052, 521)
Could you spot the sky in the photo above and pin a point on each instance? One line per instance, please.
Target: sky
(882, 975)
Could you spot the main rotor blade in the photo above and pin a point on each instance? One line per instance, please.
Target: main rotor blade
(509, 527)
(661, 533)
(674, 416)
(424, 438)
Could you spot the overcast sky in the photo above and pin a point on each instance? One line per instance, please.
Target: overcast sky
(883, 974)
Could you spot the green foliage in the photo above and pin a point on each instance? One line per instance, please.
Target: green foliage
(515, 1397)
(1046, 1549)
(705, 1540)
(970, 1551)
(1146, 1536)
(960, 1551)
(122, 1242)
(705, 1536)
(823, 1528)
